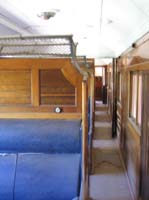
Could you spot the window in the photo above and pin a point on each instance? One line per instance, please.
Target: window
(103, 76)
(98, 71)
(139, 117)
(136, 97)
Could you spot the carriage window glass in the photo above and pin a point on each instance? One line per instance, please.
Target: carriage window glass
(136, 97)
(139, 100)
(103, 76)
(133, 95)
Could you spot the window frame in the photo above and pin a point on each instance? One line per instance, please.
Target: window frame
(135, 119)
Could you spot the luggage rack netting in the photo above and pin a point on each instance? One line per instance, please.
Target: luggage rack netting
(52, 46)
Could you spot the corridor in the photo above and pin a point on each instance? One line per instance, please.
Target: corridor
(108, 180)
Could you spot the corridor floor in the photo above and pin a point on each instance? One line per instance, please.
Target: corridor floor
(108, 180)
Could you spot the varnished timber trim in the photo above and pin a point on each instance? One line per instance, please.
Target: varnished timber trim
(140, 66)
(34, 66)
(75, 80)
(40, 109)
(40, 116)
(126, 174)
(84, 141)
(134, 130)
(35, 87)
(12, 64)
(92, 83)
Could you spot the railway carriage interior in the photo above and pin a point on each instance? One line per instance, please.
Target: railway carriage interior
(74, 116)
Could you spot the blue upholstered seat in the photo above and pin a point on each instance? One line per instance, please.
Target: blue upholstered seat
(47, 176)
(7, 176)
(42, 161)
(53, 136)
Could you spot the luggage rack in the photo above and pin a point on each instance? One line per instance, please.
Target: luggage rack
(45, 46)
(37, 46)
(82, 61)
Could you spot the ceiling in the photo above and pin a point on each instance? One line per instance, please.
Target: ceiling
(101, 28)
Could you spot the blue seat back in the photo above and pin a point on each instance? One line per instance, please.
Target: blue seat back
(46, 136)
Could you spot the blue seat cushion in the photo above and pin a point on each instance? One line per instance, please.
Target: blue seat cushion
(47, 176)
(41, 136)
(7, 176)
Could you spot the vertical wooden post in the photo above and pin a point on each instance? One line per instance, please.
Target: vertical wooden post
(84, 141)
(92, 110)
(35, 87)
(93, 92)
(114, 97)
(92, 98)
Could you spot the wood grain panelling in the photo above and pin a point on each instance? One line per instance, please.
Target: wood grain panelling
(133, 158)
(137, 59)
(129, 133)
(20, 86)
(55, 89)
(38, 115)
(84, 140)
(15, 87)
(75, 78)
(35, 87)
(129, 139)
(119, 124)
(145, 139)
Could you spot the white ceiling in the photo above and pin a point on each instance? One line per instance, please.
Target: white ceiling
(102, 28)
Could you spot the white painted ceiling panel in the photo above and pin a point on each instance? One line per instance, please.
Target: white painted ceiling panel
(102, 28)
(6, 31)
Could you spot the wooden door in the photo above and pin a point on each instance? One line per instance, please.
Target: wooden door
(145, 139)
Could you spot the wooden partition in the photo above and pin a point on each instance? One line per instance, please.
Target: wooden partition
(90, 84)
(131, 128)
(122, 105)
(130, 118)
(33, 88)
(87, 92)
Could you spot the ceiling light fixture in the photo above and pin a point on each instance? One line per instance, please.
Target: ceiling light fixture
(47, 15)
(109, 21)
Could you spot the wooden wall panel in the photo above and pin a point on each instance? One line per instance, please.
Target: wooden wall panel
(15, 87)
(145, 139)
(55, 89)
(133, 159)
(35, 87)
(129, 134)
(26, 95)
(38, 115)
(131, 137)
(119, 123)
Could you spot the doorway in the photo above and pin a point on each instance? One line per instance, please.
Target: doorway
(100, 83)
